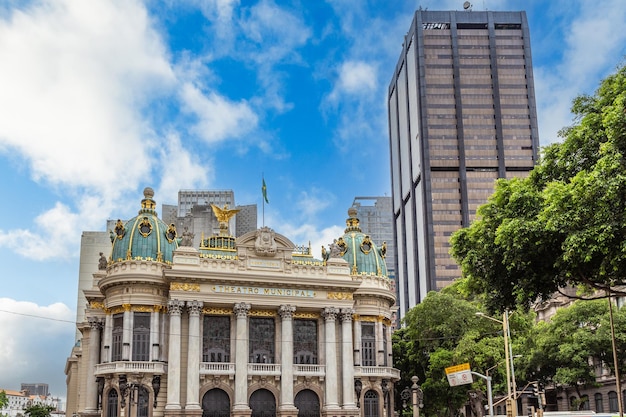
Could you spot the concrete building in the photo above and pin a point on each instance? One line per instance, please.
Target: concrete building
(236, 326)
(35, 389)
(462, 114)
(18, 401)
(194, 212)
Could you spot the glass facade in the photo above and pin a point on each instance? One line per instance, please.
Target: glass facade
(461, 115)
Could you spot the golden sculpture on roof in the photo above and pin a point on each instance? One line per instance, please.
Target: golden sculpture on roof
(223, 215)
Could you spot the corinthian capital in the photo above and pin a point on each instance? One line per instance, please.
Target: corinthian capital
(241, 310)
(194, 307)
(286, 311)
(330, 313)
(175, 307)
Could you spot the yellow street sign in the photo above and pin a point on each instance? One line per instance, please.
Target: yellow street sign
(458, 368)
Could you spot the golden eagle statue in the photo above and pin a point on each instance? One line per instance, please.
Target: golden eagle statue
(223, 215)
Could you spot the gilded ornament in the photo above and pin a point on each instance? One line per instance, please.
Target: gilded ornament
(96, 305)
(145, 227)
(184, 286)
(339, 295)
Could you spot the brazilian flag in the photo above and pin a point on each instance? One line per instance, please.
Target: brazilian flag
(264, 190)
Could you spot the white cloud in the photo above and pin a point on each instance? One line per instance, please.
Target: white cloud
(309, 203)
(593, 48)
(74, 78)
(36, 341)
(181, 170)
(78, 84)
(218, 118)
(354, 78)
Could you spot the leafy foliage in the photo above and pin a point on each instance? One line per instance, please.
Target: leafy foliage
(565, 224)
(443, 331)
(4, 401)
(39, 410)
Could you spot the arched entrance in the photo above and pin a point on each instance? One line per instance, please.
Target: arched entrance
(371, 404)
(263, 403)
(215, 403)
(308, 404)
(112, 403)
(143, 402)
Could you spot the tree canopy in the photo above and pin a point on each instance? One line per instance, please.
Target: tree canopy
(39, 410)
(564, 224)
(444, 330)
(4, 400)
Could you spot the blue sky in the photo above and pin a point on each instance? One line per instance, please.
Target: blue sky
(100, 99)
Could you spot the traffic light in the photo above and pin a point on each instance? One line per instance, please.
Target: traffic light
(536, 390)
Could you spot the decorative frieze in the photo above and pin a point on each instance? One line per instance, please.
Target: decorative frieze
(338, 295)
(184, 286)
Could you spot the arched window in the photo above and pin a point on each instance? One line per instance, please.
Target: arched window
(117, 336)
(307, 403)
(215, 403)
(141, 336)
(305, 341)
(112, 403)
(584, 403)
(598, 402)
(613, 407)
(572, 403)
(216, 339)
(371, 404)
(262, 340)
(143, 401)
(263, 403)
(368, 344)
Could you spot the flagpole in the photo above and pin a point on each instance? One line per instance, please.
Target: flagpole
(263, 196)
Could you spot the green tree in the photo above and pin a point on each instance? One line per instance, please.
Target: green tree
(565, 224)
(443, 331)
(4, 401)
(38, 410)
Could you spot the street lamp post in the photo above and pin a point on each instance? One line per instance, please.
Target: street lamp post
(416, 394)
(508, 357)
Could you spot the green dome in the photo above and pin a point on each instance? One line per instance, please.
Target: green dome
(144, 237)
(360, 251)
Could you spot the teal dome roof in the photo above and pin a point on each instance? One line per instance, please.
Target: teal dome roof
(363, 255)
(144, 237)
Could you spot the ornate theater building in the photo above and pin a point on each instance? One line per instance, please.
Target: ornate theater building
(246, 326)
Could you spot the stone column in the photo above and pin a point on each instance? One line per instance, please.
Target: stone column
(127, 334)
(287, 407)
(330, 346)
(106, 345)
(155, 334)
(173, 358)
(91, 402)
(380, 355)
(241, 354)
(357, 341)
(347, 358)
(193, 356)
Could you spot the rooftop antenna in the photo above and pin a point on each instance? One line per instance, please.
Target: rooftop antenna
(467, 6)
